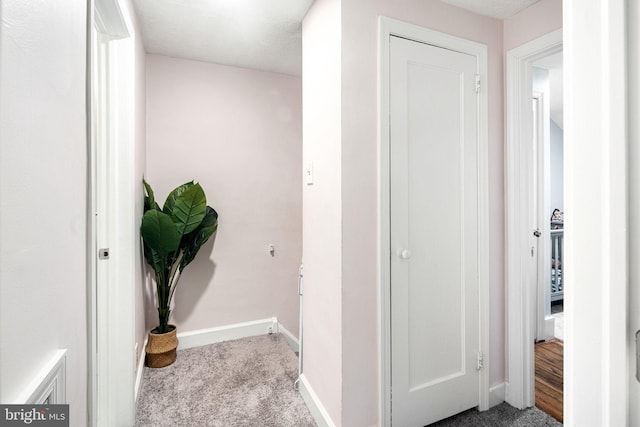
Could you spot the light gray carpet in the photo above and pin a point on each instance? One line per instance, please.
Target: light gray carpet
(503, 415)
(246, 382)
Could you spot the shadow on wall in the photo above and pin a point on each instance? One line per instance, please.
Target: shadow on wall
(149, 300)
(196, 279)
(194, 283)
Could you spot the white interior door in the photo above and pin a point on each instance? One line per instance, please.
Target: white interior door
(540, 236)
(434, 233)
(537, 277)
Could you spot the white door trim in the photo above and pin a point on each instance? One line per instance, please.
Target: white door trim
(596, 214)
(386, 28)
(633, 20)
(111, 296)
(521, 295)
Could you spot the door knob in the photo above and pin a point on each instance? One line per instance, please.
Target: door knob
(537, 233)
(404, 253)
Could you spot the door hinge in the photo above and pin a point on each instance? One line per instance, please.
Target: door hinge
(477, 83)
(480, 361)
(300, 276)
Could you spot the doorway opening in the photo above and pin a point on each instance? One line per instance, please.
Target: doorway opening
(528, 220)
(548, 230)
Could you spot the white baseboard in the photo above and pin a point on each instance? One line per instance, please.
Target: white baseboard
(292, 340)
(140, 370)
(549, 327)
(319, 413)
(225, 333)
(48, 385)
(496, 394)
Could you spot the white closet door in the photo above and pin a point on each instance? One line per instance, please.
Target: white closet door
(434, 233)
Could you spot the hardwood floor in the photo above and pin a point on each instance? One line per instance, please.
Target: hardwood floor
(549, 377)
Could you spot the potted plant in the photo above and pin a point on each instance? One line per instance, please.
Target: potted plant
(172, 237)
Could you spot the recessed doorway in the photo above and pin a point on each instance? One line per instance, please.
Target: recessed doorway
(531, 260)
(548, 225)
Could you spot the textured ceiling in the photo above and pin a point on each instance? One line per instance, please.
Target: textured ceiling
(500, 9)
(258, 34)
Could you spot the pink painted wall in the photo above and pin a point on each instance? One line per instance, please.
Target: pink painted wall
(539, 19)
(322, 213)
(140, 156)
(238, 132)
(349, 31)
(358, 122)
(359, 172)
(43, 196)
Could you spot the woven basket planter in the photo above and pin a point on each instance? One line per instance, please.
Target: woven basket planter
(161, 348)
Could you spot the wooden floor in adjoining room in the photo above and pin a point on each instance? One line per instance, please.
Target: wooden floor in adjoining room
(549, 378)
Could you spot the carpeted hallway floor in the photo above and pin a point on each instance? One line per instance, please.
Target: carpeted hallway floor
(246, 382)
(249, 383)
(503, 415)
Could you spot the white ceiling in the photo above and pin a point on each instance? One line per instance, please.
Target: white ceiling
(258, 34)
(500, 9)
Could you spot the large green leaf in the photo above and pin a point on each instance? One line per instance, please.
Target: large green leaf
(148, 207)
(154, 259)
(159, 232)
(150, 199)
(189, 209)
(192, 242)
(173, 196)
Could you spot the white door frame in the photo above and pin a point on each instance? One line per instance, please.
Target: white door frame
(521, 294)
(111, 294)
(633, 19)
(386, 28)
(596, 166)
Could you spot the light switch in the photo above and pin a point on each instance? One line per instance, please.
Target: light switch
(308, 173)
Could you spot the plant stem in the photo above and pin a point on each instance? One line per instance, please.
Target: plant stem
(163, 305)
(173, 281)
